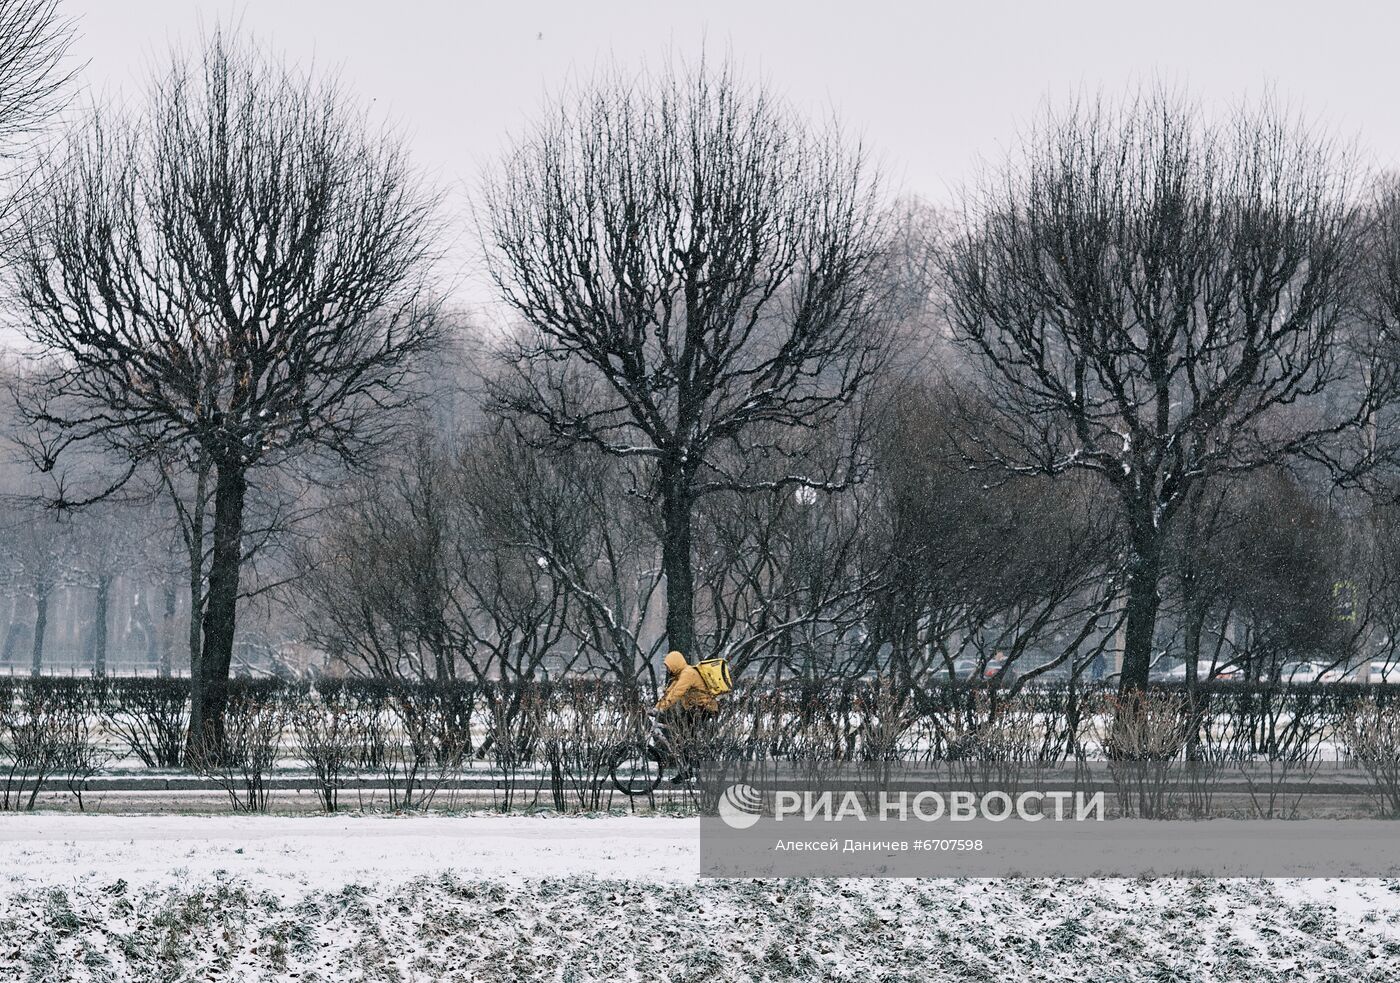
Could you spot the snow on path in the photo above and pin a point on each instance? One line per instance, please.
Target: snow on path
(291, 855)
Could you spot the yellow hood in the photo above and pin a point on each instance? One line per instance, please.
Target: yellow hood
(675, 662)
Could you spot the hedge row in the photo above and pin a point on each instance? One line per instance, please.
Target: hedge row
(415, 737)
(149, 717)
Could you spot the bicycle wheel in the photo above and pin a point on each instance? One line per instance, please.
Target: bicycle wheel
(637, 770)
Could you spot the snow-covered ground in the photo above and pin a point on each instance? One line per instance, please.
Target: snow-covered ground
(292, 855)
(506, 898)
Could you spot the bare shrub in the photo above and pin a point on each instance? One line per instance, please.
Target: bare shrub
(884, 716)
(744, 742)
(405, 735)
(1269, 737)
(814, 745)
(748, 725)
(991, 742)
(424, 753)
(578, 734)
(1370, 733)
(151, 717)
(77, 723)
(449, 707)
(254, 722)
(1142, 734)
(512, 730)
(329, 739)
(32, 743)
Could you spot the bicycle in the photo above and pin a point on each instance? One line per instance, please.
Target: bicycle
(638, 766)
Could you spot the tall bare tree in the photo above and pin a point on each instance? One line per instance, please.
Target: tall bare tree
(694, 270)
(1157, 301)
(232, 275)
(34, 43)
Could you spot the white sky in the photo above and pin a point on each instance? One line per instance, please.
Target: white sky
(931, 87)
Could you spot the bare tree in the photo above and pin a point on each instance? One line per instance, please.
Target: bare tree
(781, 573)
(106, 540)
(40, 549)
(377, 579)
(34, 39)
(1156, 302)
(234, 275)
(695, 272)
(1258, 569)
(170, 563)
(421, 572)
(1378, 315)
(34, 42)
(1374, 578)
(969, 570)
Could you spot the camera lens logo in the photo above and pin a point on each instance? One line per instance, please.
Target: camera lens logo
(740, 806)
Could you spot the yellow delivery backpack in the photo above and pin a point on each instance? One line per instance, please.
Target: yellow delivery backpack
(715, 675)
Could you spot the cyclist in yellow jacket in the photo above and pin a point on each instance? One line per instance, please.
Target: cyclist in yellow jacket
(691, 704)
(684, 686)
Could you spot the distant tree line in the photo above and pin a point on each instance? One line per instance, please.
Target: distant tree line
(1129, 405)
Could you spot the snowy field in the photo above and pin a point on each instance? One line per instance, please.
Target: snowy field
(399, 898)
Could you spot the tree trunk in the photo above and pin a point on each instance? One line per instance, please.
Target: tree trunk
(139, 616)
(167, 627)
(1194, 611)
(443, 667)
(12, 632)
(1144, 574)
(1195, 623)
(41, 626)
(676, 505)
(65, 626)
(99, 626)
(211, 696)
(194, 545)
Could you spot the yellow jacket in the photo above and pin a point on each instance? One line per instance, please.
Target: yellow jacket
(685, 687)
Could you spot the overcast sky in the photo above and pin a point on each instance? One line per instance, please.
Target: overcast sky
(931, 87)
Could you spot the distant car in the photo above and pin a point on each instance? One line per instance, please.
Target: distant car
(1384, 672)
(968, 668)
(1177, 674)
(999, 668)
(1310, 672)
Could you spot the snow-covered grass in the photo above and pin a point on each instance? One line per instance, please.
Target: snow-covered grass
(615, 898)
